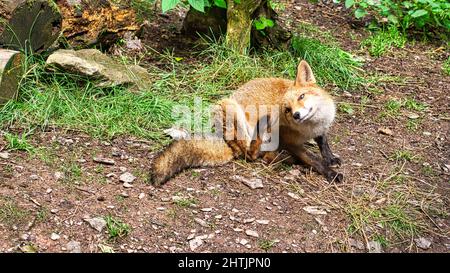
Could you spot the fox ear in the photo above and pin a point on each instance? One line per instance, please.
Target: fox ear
(304, 74)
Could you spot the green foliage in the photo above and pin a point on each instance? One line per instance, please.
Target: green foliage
(262, 22)
(199, 5)
(330, 63)
(116, 228)
(425, 15)
(381, 41)
(20, 143)
(446, 66)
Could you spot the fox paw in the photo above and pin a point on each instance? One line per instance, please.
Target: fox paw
(335, 177)
(333, 161)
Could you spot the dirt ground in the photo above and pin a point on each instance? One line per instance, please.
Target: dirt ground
(211, 210)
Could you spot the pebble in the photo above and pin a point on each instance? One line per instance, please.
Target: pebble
(423, 243)
(103, 160)
(127, 178)
(141, 195)
(55, 237)
(252, 233)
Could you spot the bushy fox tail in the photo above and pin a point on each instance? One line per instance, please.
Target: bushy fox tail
(183, 154)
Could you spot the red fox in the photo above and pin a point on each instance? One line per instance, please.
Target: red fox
(305, 111)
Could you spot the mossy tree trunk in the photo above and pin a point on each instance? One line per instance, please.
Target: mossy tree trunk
(239, 23)
(29, 24)
(10, 74)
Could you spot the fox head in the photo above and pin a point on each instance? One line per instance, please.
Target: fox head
(305, 101)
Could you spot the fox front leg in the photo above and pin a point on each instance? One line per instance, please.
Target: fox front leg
(318, 165)
(327, 154)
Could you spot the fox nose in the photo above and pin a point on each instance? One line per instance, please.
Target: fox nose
(296, 115)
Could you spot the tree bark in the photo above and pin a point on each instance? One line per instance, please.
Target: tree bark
(100, 23)
(29, 24)
(239, 24)
(10, 74)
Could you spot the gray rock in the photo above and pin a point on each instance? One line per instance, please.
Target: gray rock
(55, 236)
(195, 243)
(106, 161)
(94, 64)
(97, 223)
(252, 233)
(423, 243)
(34, 177)
(4, 155)
(374, 247)
(127, 178)
(73, 247)
(254, 183)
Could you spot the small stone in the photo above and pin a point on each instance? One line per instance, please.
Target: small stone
(218, 216)
(254, 183)
(48, 191)
(161, 208)
(82, 160)
(206, 209)
(238, 229)
(73, 247)
(426, 133)
(191, 236)
(103, 160)
(356, 243)
(55, 237)
(374, 247)
(110, 207)
(54, 211)
(195, 243)
(295, 172)
(4, 155)
(123, 169)
(25, 237)
(293, 195)
(249, 220)
(97, 223)
(243, 242)
(127, 185)
(141, 195)
(34, 177)
(165, 199)
(127, 178)
(124, 195)
(59, 175)
(252, 233)
(262, 222)
(314, 210)
(111, 175)
(385, 131)
(412, 116)
(201, 222)
(423, 243)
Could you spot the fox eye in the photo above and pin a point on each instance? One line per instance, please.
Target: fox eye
(302, 96)
(287, 110)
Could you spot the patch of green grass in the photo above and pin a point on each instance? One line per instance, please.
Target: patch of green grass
(330, 64)
(413, 124)
(346, 108)
(403, 155)
(185, 202)
(72, 172)
(414, 105)
(393, 107)
(381, 239)
(428, 170)
(266, 245)
(446, 66)
(19, 143)
(42, 214)
(383, 40)
(116, 228)
(46, 155)
(11, 213)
